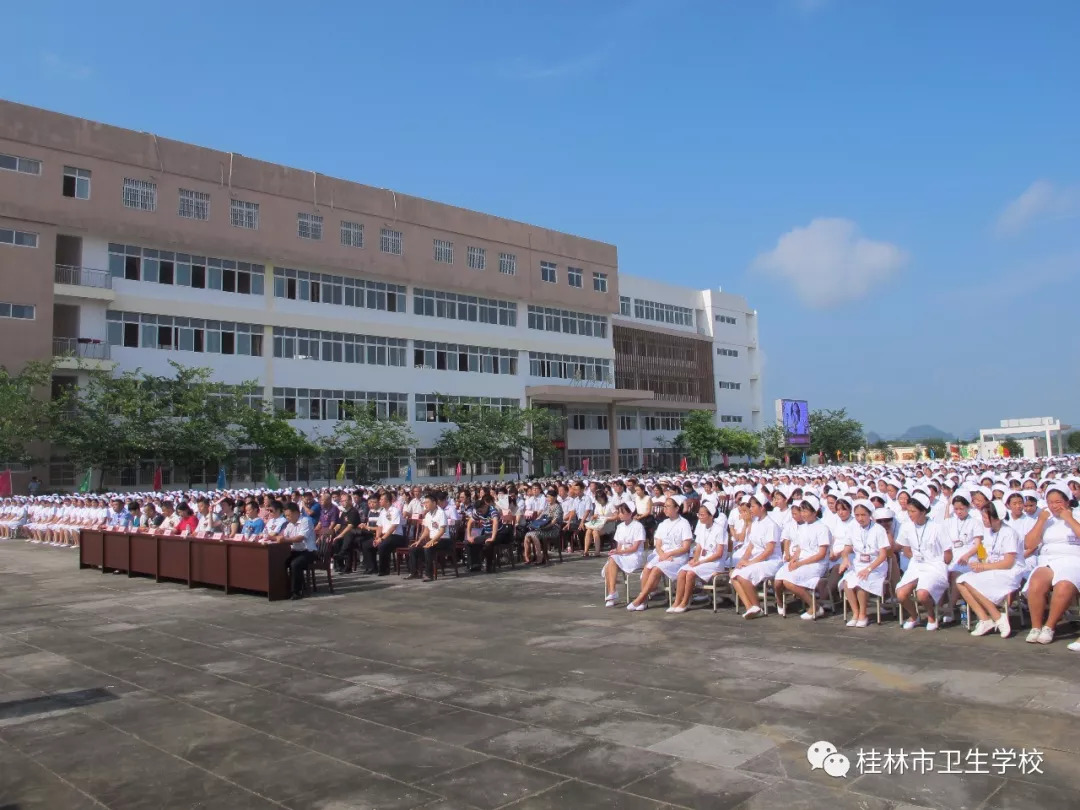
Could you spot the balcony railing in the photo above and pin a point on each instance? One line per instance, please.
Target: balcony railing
(83, 277)
(86, 348)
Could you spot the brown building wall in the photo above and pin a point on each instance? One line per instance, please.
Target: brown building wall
(26, 277)
(678, 369)
(111, 154)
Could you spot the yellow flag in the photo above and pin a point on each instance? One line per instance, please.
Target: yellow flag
(502, 468)
(341, 472)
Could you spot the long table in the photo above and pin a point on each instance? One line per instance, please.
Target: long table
(235, 565)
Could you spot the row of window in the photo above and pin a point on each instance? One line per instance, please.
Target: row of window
(302, 285)
(732, 386)
(135, 330)
(588, 421)
(464, 307)
(575, 276)
(549, 319)
(14, 163)
(569, 367)
(663, 313)
(18, 238)
(433, 407)
(723, 352)
(459, 357)
(724, 417)
(324, 404)
(338, 347)
(22, 312)
(726, 319)
(662, 420)
(136, 263)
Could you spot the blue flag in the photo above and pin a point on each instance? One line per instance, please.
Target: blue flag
(804, 458)
(408, 474)
(933, 455)
(221, 477)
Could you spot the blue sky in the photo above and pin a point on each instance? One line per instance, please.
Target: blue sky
(893, 184)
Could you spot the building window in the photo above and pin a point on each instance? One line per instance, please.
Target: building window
(432, 407)
(624, 305)
(320, 288)
(725, 417)
(627, 421)
(663, 313)
(444, 251)
(570, 367)
(547, 319)
(574, 277)
(508, 264)
(194, 204)
(338, 347)
(243, 214)
(322, 404)
(731, 386)
(352, 234)
(599, 282)
(588, 421)
(662, 420)
(309, 226)
(725, 319)
(14, 163)
(76, 183)
(140, 194)
(720, 350)
(477, 258)
(22, 312)
(136, 263)
(454, 306)
(18, 238)
(136, 330)
(548, 272)
(455, 357)
(390, 241)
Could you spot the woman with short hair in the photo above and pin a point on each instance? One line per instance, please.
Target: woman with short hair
(927, 576)
(628, 555)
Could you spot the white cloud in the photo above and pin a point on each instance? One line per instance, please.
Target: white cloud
(828, 263)
(58, 66)
(1041, 200)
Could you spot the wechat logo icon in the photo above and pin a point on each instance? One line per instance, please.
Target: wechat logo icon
(822, 755)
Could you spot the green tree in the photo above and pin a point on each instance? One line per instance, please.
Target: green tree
(832, 431)
(27, 414)
(771, 440)
(274, 440)
(1072, 442)
(700, 436)
(1014, 447)
(365, 438)
(940, 448)
(738, 442)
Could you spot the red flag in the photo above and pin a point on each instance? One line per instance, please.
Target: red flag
(787, 459)
(585, 466)
(5, 484)
(682, 464)
(725, 459)
(157, 479)
(1005, 451)
(457, 472)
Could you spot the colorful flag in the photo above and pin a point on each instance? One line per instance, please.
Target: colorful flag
(457, 472)
(157, 479)
(340, 472)
(839, 455)
(408, 474)
(502, 467)
(221, 477)
(1005, 451)
(5, 484)
(933, 455)
(803, 459)
(272, 480)
(682, 464)
(585, 466)
(787, 459)
(725, 463)
(85, 485)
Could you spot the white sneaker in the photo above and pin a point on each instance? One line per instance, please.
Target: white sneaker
(611, 597)
(948, 618)
(982, 627)
(910, 624)
(862, 623)
(807, 616)
(1046, 635)
(609, 603)
(1074, 646)
(820, 612)
(670, 610)
(851, 622)
(1033, 635)
(931, 626)
(1003, 625)
(631, 606)
(781, 611)
(752, 612)
(679, 609)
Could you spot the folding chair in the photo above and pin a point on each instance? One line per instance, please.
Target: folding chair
(720, 581)
(763, 594)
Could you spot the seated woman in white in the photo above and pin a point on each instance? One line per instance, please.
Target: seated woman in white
(709, 559)
(963, 531)
(739, 527)
(927, 575)
(601, 523)
(1056, 534)
(806, 558)
(671, 551)
(628, 555)
(995, 574)
(866, 561)
(839, 525)
(1021, 523)
(761, 559)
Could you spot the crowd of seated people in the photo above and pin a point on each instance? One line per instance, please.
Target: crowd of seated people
(920, 539)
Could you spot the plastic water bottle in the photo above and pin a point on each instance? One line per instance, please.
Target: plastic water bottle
(963, 612)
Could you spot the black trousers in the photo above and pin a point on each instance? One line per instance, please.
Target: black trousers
(342, 548)
(297, 563)
(385, 551)
(367, 550)
(476, 550)
(426, 557)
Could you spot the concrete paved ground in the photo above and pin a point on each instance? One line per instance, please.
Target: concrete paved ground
(513, 690)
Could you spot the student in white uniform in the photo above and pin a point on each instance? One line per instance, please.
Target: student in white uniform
(995, 574)
(807, 558)
(927, 575)
(1056, 534)
(963, 531)
(628, 555)
(761, 559)
(710, 557)
(866, 562)
(672, 540)
(1021, 523)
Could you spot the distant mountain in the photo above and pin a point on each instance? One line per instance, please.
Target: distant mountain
(872, 438)
(924, 432)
